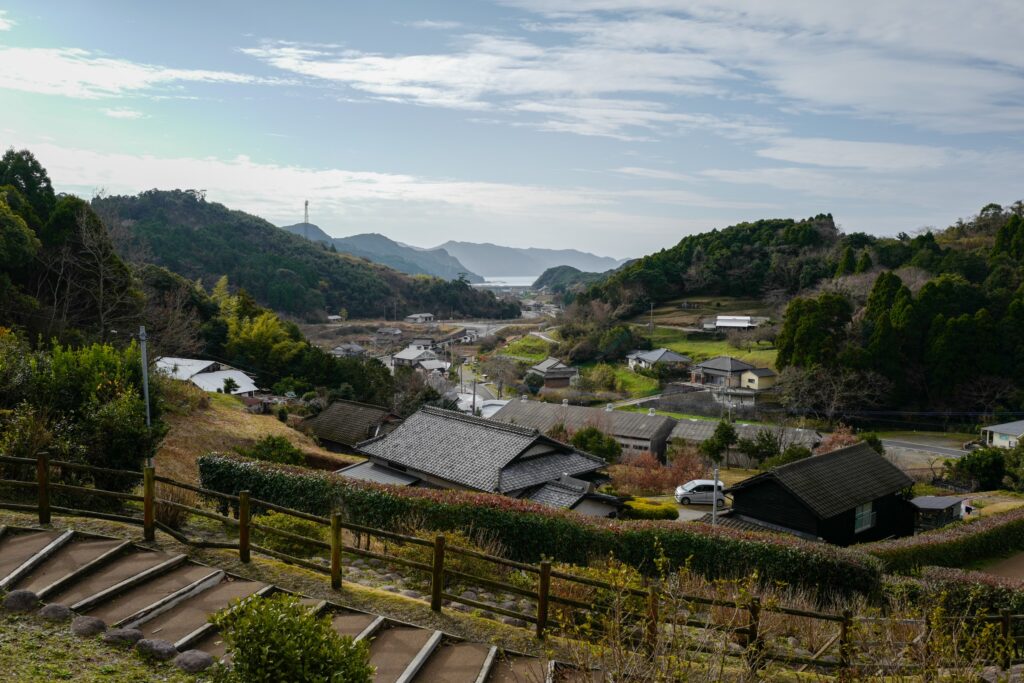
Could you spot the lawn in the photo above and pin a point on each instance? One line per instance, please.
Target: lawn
(34, 651)
(702, 349)
(529, 348)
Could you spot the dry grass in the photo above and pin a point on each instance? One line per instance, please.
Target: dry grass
(222, 426)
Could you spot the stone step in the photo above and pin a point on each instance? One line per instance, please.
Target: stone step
(32, 562)
(392, 649)
(351, 623)
(188, 622)
(119, 570)
(454, 662)
(145, 594)
(65, 562)
(17, 548)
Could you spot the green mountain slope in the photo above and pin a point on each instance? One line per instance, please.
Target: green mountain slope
(204, 240)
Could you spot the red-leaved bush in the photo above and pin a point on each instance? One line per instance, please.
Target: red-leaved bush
(643, 475)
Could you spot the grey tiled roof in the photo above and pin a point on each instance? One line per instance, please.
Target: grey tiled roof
(539, 469)
(348, 422)
(725, 364)
(701, 430)
(621, 423)
(560, 494)
(838, 481)
(660, 356)
(370, 471)
(473, 451)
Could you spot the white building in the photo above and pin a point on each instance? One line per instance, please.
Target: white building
(734, 322)
(420, 318)
(208, 375)
(1006, 435)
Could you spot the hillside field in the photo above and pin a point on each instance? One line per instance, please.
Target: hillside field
(702, 349)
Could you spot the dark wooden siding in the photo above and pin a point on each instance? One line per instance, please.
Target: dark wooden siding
(894, 516)
(770, 502)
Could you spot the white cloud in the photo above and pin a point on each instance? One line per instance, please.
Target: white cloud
(124, 113)
(652, 173)
(82, 74)
(434, 24)
(6, 24)
(875, 156)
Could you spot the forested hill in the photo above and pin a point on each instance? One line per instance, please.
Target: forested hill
(741, 260)
(203, 240)
(566, 278)
(387, 252)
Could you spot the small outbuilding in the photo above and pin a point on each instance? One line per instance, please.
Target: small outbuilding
(937, 511)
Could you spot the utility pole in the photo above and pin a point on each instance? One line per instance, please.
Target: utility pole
(145, 387)
(714, 502)
(305, 220)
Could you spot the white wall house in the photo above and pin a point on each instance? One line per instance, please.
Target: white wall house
(208, 375)
(1006, 435)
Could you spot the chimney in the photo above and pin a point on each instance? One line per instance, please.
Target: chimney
(650, 411)
(609, 408)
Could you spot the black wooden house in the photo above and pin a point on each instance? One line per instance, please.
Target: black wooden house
(851, 495)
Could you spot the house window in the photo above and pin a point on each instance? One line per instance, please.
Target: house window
(864, 518)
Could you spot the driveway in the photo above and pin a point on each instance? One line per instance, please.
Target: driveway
(691, 513)
(923, 446)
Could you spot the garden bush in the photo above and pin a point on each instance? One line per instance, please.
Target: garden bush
(531, 531)
(293, 525)
(957, 545)
(279, 639)
(645, 508)
(273, 449)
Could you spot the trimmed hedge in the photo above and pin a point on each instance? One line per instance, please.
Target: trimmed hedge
(530, 531)
(645, 508)
(956, 545)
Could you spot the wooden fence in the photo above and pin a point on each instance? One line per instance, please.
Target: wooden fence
(749, 633)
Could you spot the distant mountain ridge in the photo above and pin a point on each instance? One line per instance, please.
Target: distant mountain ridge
(494, 260)
(385, 251)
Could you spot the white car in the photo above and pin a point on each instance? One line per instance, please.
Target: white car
(700, 492)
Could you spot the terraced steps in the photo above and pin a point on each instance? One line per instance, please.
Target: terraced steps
(169, 597)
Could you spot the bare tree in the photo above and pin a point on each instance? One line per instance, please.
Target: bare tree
(831, 392)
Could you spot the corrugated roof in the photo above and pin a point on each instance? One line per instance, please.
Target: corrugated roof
(701, 430)
(182, 368)
(473, 451)
(348, 422)
(725, 364)
(370, 471)
(214, 381)
(936, 502)
(543, 416)
(1013, 428)
(835, 482)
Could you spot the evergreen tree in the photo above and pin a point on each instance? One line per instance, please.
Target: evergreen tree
(846, 263)
(864, 262)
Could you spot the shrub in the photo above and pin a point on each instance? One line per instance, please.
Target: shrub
(957, 545)
(278, 639)
(294, 525)
(531, 531)
(273, 449)
(987, 466)
(642, 474)
(792, 453)
(282, 414)
(592, 440)
(645, 508)
(466, 564)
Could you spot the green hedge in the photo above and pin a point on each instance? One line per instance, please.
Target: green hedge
(957, 545)
(645, 508)
(530, 531)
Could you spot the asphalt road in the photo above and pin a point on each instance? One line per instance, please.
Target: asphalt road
(929, 448)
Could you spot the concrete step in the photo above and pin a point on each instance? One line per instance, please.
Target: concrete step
(351, 623)
(120, 569)
(65, 562)
(393, 649)
(17, 548)
(185, 620)
(519, 669)
(145, 594)
(454, 662)
(32, 562)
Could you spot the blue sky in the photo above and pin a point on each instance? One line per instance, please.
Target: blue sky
(612, 126)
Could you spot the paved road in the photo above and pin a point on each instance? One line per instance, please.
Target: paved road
(635, 401)
(544, 337)
(929, 448)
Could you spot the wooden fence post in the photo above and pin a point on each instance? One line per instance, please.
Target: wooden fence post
(243, 526)
(543, 590)
(844, 641)
(43, 481)
(437, 575)
(753, 632)
(653, 609)
(1004, 629)
(336, 551)
(148, 503)
(926, 672)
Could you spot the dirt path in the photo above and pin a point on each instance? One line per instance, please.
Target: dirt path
(1010, 567)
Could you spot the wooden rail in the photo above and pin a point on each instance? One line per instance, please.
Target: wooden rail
(441, 568)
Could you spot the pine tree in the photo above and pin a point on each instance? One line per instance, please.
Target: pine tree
(846, 263)
(864, 263)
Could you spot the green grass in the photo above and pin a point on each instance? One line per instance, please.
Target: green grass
(634, 384)
(702, 349)
(528, 347)
(34, 651)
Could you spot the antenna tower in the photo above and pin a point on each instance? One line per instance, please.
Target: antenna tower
(305, 220)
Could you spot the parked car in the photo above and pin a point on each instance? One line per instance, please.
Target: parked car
(972, 445)
(700, 492)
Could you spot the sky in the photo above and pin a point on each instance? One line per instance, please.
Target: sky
(613, 126)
